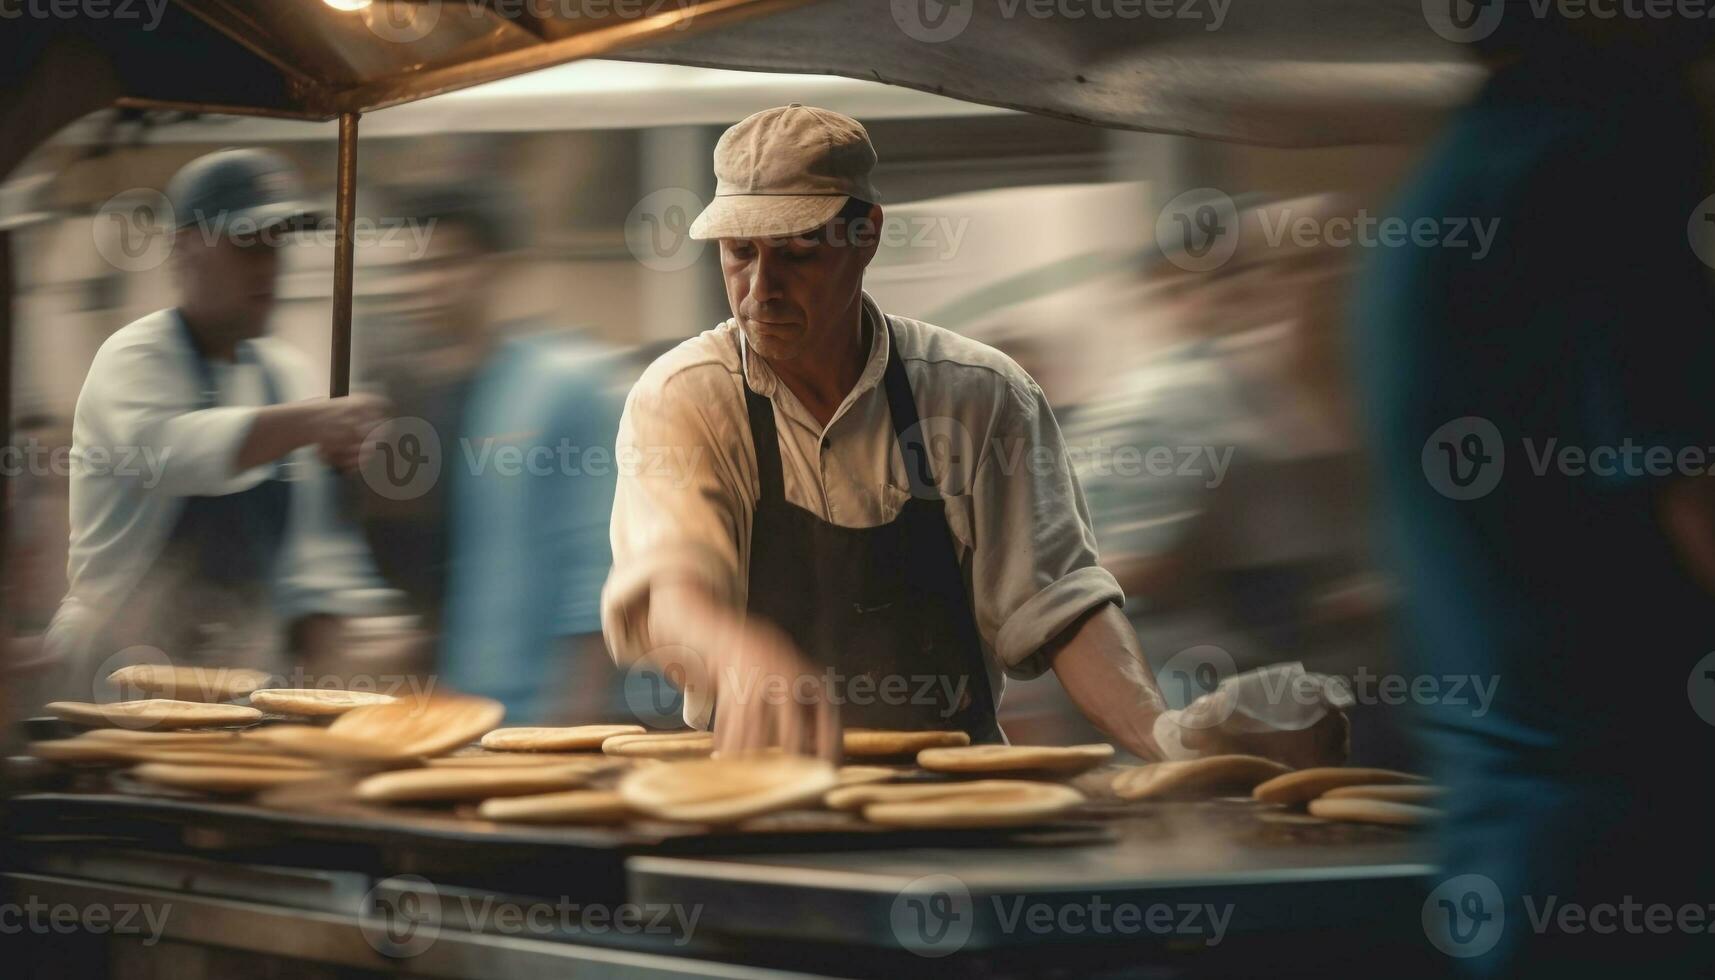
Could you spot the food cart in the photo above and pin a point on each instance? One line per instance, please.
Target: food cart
(1189, 888)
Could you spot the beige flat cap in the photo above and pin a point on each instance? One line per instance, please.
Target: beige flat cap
(786, 171)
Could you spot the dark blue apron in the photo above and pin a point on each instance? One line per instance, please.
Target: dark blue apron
(218, 561)
(874, 603)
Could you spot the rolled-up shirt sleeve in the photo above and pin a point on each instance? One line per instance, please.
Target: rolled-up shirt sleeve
(1033, 569)
(677, 510)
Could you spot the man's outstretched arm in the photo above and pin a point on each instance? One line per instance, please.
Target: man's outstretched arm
(1101, 666)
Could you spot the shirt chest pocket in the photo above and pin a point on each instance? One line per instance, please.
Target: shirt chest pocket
(959, 509)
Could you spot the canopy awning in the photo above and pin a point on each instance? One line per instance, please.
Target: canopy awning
(1284, 72)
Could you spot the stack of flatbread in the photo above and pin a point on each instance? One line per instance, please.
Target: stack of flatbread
(1335, 793)
(209, 746)
(1355, 795)
(214, 762)
(977, 803)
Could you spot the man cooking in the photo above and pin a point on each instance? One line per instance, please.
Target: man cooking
(221, 529)
(828, 515)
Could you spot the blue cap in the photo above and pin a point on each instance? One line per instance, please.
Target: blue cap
(239, 190)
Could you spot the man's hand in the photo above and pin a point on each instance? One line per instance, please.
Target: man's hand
(342, 426)
(1280, 712)
(767, 696)
(337, 426)
(766, 693)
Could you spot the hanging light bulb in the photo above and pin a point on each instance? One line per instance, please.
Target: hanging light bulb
(347, 5)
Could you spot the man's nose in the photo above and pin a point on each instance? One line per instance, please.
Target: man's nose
(765, 275)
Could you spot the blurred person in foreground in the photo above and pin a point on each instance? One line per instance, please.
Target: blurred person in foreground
(505, 554)
(202, 521)
(1581, 584)
(1225, 479)
(803, 554)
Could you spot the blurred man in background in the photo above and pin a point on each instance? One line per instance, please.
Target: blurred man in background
(1583, 589)
(504, 556)
(1240, 536)
(201, 521)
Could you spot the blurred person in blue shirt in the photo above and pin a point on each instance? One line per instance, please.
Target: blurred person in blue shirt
(1580, 584)
(505, 554)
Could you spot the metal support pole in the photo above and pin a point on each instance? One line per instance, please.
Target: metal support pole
(345, 208)
(6, 300)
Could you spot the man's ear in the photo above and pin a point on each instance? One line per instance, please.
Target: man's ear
(870, 239)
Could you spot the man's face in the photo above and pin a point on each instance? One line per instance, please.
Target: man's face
(440, 296)
(230, 281)
(791, 294)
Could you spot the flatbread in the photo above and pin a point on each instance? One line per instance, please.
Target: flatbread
(1373, 811)
(221, 779)
(1024, 803)
(580, 738)
(428, 726)
(861, 775)
(81, 750)
(201, 684)
(1307, 784)
(573, 806)
(862, 795)
(661, 745)
(448, 785)
(122, 745)
(321, 743)
(873, 743)
(1417, 794)
(314, 703)
(727, 790)
(1212, 776)
(159, 713)
(131, 736)
(525, 760)
(204, 757)
(1016, 758)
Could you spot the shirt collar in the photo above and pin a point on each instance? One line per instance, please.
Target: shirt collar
(763, 381)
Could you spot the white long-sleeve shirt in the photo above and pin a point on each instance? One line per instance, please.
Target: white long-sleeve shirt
(141, 444)
(688, 486)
